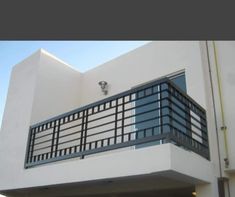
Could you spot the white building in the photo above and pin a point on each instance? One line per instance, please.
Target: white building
(163, 125)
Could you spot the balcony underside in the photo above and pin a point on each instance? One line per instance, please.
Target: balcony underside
(149, 185)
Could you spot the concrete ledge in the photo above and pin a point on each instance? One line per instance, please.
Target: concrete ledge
(166, 160)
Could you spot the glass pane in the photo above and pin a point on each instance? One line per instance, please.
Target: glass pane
(180, 81)
(179, 110)
(147, 120)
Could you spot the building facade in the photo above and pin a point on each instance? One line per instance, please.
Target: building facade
(157, 121)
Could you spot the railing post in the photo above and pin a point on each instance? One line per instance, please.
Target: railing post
(115, 121)
(160, 108)
(85, 130)
(53, 137)
(188, 119)
(204, 129)
(30, 146)
(165, 118)
(123, 118)
(57, 138)
(168, 109)
(82, 133)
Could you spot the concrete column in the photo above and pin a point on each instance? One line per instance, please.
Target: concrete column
(207, 190)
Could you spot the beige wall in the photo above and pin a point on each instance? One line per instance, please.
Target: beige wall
(16, 120)
(53, 88)
(57, 90)
(144, 64)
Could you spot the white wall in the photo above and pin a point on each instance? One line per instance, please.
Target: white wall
(55, 88)
(40, 88)
(232, 184)
(151, 61)
(16, 120)
(226, 62)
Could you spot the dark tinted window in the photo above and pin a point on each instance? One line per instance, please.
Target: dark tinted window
(147, 115)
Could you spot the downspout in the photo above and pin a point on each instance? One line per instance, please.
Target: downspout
(223, 127)
(221, 180)
(214, 110)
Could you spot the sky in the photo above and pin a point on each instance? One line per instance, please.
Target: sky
(82, 55)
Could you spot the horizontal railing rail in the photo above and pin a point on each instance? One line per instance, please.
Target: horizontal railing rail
(155, 113)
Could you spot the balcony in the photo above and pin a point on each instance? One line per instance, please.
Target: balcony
(155, 113)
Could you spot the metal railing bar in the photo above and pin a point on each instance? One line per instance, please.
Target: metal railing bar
(130, 101)
(186, 120)
(199, 114)
(204, 153)
(189, 129)
(129, 109)
(190, 137)
(102, 149)
(43, 135)
(187, 97)
(127, 125)
(191, 116)
(120, 119)
(133, 132)
(35, 144)
(73, 133)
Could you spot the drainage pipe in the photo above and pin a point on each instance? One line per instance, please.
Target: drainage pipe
(214, 109)
(223, 127)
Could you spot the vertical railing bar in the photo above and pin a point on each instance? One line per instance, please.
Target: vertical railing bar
(53, 136)
(170, 107)
(57, 138)
(144, 133)
(95, 144)
(160, 107)
(85, 130)
(129, 136)
(82, 131)
(207, 153)
(31, 149)
(123, 118)
(115, 123)
(29, 146)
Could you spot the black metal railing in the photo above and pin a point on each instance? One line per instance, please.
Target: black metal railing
(155, 113)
